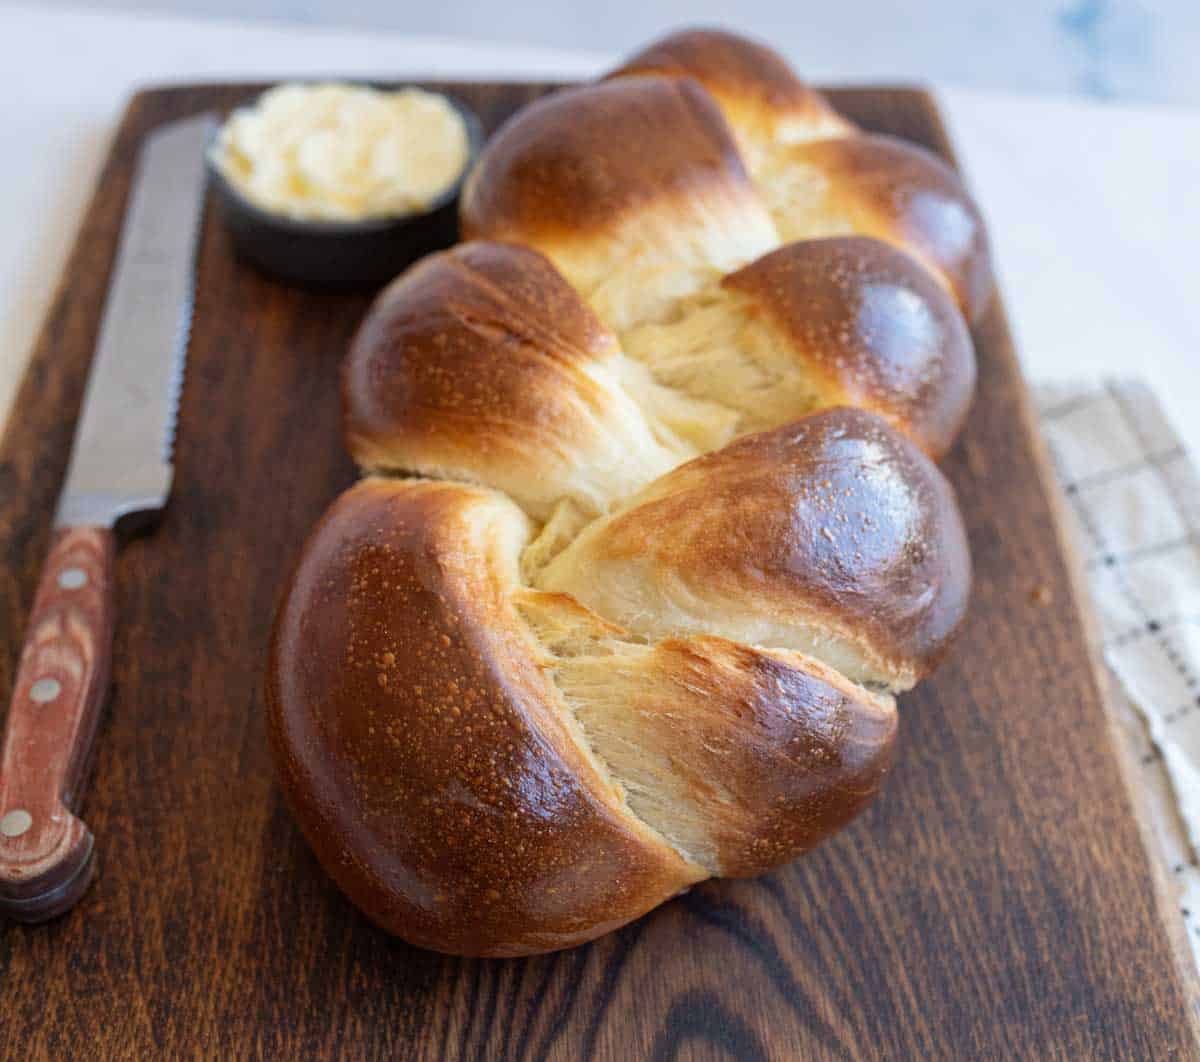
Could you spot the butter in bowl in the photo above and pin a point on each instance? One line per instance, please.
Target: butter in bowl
(339, 186)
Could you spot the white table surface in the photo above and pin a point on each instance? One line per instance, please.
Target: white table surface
(1092, 209)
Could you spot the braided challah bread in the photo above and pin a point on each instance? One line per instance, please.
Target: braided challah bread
(818, 175)
(651, 533)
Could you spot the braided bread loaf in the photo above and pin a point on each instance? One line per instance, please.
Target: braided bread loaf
(652, 535)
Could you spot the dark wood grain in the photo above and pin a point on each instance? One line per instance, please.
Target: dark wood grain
(996, 902)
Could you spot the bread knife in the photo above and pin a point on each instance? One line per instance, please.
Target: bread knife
(120, 468)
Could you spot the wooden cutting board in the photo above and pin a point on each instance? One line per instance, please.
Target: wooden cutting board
(996, 902)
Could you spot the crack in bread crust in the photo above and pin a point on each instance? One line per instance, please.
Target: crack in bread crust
(741, 757)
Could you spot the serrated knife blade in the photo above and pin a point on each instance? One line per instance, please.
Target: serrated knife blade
(121, 460)
(120, 465)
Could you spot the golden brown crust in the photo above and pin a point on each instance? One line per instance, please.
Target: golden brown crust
(874, 327)
(744, 757)
(878, 186)
(835, 524)
(633, 188)
(761, 96)
(569, 165)
(463, 342)
(420, 745)
(885, 187)
(482, 363)
(488, 767)
(778, 752)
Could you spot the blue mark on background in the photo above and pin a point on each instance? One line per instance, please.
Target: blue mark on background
(1113, 40)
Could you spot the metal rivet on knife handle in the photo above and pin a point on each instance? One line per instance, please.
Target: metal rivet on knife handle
(45, 850)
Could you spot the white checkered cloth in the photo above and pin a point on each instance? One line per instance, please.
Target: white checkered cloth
(1134, 500)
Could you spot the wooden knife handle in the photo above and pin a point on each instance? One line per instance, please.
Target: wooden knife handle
(46, 859)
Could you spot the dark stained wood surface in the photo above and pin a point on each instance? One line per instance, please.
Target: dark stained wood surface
(996, 902)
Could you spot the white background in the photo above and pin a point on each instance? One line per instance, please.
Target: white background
(1142, 50)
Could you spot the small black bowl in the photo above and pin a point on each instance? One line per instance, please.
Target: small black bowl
(342, 256)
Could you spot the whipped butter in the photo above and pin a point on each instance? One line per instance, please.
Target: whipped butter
(336, 152)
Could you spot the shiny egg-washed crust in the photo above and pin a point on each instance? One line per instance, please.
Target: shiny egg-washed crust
(561, 171)
(522, 703)
(743, 757)
(419, 741)
(427, 751)
(763, 100)
(564, 167)
(885, 187)
(798, 750)
(875, 327)
(481, 363)
(834, 531)
(633, 188)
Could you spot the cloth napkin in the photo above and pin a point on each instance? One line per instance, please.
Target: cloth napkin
(1133, 503)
